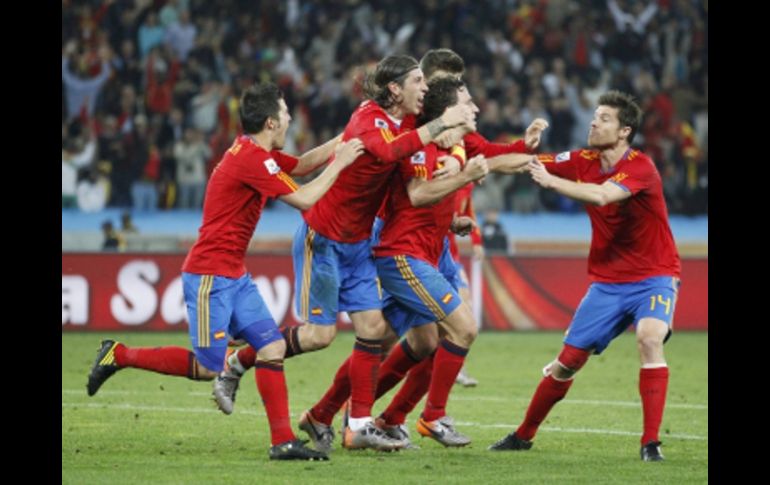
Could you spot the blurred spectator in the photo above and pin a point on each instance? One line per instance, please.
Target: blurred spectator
(127, 224)
(188, 61)
(493, 236)
(93, 191)
(191, 155)
(112, 239)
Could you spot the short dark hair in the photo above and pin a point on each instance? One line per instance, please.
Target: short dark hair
(629, 113)
(442, 93)
(441, 60)
(258, 103)
(388, 70)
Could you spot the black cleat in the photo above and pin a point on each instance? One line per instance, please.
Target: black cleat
(511, 442)
(104, 366)
(651, 451)
(296, 450)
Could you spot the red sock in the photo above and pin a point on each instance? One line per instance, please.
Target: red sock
(247, 356)
(446, 365)
(174, 361)
(414, 388)
(548, 393)
(652, 387)
(271, 383)
(395, 367)
(364, 367)
(335, 396)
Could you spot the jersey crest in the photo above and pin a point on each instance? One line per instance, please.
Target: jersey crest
(271, 166)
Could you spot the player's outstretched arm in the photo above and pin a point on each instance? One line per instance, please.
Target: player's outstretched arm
(426, 192)
(307, 195)
(508, 163)
(600, 195)
(316, 157)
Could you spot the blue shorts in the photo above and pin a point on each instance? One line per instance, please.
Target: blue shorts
(332, 277)
(608, 309)
(416, 292)
(219, 308)
(450, 268)
(376, 230)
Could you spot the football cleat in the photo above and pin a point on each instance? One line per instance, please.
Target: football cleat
(370, 437)
(103, 367)
(511, 442)
(651, 451)
(465, 380)
(443, 431)
(397, 432)
(322, 435)
(225, 387)
(295, 450)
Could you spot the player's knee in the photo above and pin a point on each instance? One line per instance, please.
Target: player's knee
(649, 342)
(275, 350)
(321, 337)
(425, 345)
(204, 373)
(570, 360)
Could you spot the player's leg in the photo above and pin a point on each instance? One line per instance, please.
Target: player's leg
(454, 273)
(253, 323)
(208, 308)
(315, 286)
(595, 324)
(654, 311)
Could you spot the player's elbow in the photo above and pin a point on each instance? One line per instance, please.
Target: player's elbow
(601, 199)
(418, 199)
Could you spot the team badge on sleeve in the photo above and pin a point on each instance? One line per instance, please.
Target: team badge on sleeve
(380, 123)
(271, 166)
(418, 158)
(562, 157)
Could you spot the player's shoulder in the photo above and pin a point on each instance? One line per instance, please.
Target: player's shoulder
(638, 160)
(370, 115)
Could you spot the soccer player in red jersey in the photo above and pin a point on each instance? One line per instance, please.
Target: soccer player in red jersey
(221, 298)
(633, 265)
(333, 267)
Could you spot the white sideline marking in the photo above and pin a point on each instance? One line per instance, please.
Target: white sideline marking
(133, 407)
(579, 401)
(453, 398)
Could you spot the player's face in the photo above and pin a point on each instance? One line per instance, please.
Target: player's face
(464, 98)
(413, 91)
(283, 124)
(605, 128)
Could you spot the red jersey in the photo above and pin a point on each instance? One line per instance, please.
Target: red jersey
(346, 212)
(236, 194)
(631, 239)
(464, 207)
(475, 144)
(415, 231)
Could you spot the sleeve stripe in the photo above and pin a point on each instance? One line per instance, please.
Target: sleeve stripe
(387, 135)
(620, 185)
(287, 180)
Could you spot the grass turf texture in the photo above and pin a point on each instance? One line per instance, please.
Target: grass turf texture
(143, 427)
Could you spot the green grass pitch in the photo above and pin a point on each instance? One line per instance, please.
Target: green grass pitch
(143, 427)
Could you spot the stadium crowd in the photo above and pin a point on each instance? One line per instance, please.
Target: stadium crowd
(150, 87)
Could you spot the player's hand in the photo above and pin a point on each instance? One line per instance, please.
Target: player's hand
(449, 138)
(345, 153)
(450, 166)
(462, 225)
(459, 115)
(478, 252)
(539, 174)
(476, 168)
(533, 133)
